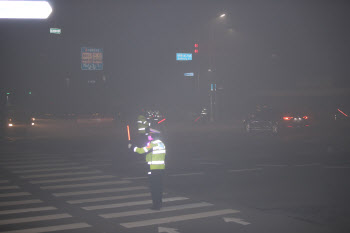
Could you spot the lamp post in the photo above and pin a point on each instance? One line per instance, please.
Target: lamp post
(212, 92)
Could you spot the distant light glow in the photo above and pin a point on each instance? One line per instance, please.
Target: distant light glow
(305, 117)
(196, 45)
(342, 112)
(223, 15)
(10, 125)
(25, 9)
(287, 118)
(33, 123)
(196, 51)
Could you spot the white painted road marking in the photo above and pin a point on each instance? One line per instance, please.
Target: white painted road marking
(336, 167)
(236, 220)
(85, 184)
(179, 218)
(272, 165)
(149, 211)
(9, 203)
(15, 194)
(307, 165)
(34, 219)
(51, 169)
(51, 229)
(16, 211)
(71, 179)
(34, 162)
(134, 203)
(188, 174)
(60, 174)
(245, 170)
(99, 191)
(135, 178)
(80, 201)
(9, 187)
(43, 165)
(167, 230)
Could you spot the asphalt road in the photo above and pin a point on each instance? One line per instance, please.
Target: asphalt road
(69, 176)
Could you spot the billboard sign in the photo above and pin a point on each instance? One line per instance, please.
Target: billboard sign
(183, 56)
(55, 30)
(91, 59)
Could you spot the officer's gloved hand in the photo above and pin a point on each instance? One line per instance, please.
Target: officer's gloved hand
(129, 145)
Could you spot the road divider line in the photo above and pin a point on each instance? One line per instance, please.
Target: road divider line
(72, 179)
(188, 174)
(307, 165)
(336, 167)
(33, 162)
(99, 191)
(51, 228)
(34, 219)
(179, 218)
(85, 184)
(9, 203)
(15, 194)
(272, 165)
(134, 203)
(245, 170)
(61, 174)
(51, 169)
(16, 211)
(9, 187)
(135, 178)
(88, 200)
(42, 165)
(149, 211)
(210, 163)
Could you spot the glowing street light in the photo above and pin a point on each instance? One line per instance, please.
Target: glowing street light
(222, 15)
(25, 9)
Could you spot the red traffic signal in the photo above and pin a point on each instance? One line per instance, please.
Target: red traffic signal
(196, 48)
(196, 45)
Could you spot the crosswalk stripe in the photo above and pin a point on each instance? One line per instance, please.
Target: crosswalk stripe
(85, 184)
(42, 165)
(16, 162)
(61, 174)
(9, 203)
(71, 179)
(16, 211)
(99, 191)
(34, 219)
(51, 169)
(149, 211)
(27, 158)
(108, 206)
(80, 201)
(3, 181)
(14, 194)
(51, 228)
(9, 187)
(179, 218)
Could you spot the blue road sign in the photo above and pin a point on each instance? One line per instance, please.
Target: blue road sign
(91, 59)
(183, 56)
(189, 74)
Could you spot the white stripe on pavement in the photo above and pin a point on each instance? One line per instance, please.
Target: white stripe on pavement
(188, 174)
(34, 162)
(43, 165)
(85, 184)
(51, 169)
(178, 218)
(79, 201)
(9, 187)
(272, 165)
(149, 211)
(99, 191)
(135, 178)
(9, 203)
(61, 174)
(308, 165)
(71, 179)
(16, 211)
(336, 167)
(34, 219)
(109, 206)
(14, 194)
(51, 228)
(244, 170)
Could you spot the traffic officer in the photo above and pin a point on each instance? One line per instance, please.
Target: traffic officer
(155, 157)
(142, 124)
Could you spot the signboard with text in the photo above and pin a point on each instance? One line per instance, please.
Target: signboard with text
(91, 59)
(183, 56)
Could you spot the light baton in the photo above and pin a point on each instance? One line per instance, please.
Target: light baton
(128, 132)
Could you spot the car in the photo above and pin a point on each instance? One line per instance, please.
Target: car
(261, 121)
(16, 120)
(295, 120)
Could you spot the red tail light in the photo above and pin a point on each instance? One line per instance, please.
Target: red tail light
(287, 118)
(305, 117)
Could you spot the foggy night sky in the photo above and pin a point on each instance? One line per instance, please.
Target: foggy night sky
(261, 44)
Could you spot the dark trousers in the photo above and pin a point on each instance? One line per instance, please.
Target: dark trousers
(156, 186)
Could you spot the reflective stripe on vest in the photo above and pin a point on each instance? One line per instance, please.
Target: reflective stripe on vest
(156, 162)
(158, 152)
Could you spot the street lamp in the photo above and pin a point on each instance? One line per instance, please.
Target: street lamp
(222, 15)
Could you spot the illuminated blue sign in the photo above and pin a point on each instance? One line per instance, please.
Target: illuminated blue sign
(189, 74)
(184, 57)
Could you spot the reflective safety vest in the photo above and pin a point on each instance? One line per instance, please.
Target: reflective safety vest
(156, 157)
(142, 124)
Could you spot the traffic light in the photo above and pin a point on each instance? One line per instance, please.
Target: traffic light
(196, 48)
